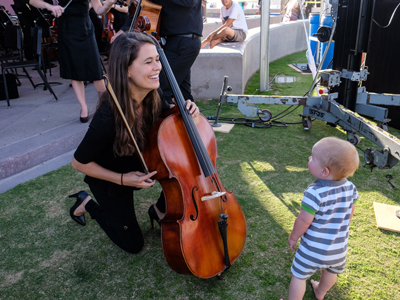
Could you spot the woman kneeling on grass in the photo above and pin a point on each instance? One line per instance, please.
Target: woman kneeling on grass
(106, 154)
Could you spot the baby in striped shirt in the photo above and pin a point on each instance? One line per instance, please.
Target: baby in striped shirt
(323, 223)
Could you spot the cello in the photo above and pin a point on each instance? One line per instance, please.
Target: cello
(203, 228)
(146, 16)
(197, 237)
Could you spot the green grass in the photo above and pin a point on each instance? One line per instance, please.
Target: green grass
(45, 255)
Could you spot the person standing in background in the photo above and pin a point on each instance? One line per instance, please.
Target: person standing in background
(120, 12)
(78, 53)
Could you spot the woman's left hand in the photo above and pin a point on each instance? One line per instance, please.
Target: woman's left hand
(192, 108)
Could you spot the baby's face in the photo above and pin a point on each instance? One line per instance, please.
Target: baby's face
(314, 164)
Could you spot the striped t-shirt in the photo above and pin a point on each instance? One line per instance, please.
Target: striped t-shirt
(324, 244)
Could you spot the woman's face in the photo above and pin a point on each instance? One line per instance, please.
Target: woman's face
(145, 69)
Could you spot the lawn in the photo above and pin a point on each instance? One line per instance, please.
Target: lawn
(45, 255)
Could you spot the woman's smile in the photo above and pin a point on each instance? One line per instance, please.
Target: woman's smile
(145, 70)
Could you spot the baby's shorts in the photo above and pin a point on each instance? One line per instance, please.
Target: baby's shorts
(304, 269)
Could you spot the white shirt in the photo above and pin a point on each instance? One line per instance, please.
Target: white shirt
(235, 12)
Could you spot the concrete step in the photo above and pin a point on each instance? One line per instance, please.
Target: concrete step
(37, 128)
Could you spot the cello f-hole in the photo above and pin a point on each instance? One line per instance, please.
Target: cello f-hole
(195, 204)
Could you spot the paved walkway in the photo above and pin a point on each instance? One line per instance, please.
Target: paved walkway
(39, 134)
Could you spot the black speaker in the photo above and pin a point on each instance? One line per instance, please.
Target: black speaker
(11, 87)
(383, 59)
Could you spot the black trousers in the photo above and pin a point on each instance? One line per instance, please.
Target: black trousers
(181, 53)
(115, 213)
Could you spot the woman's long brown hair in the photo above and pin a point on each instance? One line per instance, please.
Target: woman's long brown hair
(123, 52)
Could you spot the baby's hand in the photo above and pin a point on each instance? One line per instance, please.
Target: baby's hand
(291, 243)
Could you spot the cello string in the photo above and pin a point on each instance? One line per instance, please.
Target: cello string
(202, 154)
(217, 188)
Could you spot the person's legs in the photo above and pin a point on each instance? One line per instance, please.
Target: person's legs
(214, 43)
(324, 285)
(80, 210)
(181, 53)
(79, 90)
(116, 216)
(222, 35)
(297, 288)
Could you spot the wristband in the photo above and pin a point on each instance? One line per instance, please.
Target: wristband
(122, 181)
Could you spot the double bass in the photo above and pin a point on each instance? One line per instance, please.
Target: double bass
(204, 228)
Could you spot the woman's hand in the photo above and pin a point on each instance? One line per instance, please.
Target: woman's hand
(102, 8)
(56, 10)
(139, 179)
(192, 108)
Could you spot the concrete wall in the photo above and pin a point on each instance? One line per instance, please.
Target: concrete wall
(240, 61)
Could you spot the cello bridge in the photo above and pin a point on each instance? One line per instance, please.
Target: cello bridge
(213, 195)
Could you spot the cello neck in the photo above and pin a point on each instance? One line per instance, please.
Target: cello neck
(136, 14)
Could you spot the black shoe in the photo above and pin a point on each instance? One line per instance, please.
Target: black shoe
(84, 119)
(153, 216)
(80, 197)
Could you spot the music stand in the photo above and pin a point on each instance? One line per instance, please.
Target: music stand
(4, 20)
(32, 17)
(4, 17)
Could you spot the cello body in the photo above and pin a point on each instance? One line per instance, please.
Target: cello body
(191, 238)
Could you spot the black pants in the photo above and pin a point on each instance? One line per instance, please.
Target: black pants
(115, 213)
(181, 53)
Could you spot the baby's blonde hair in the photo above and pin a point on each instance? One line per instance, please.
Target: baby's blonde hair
(338, 155)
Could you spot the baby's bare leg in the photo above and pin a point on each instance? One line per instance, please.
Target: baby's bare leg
(297, 288)
(324, 285)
